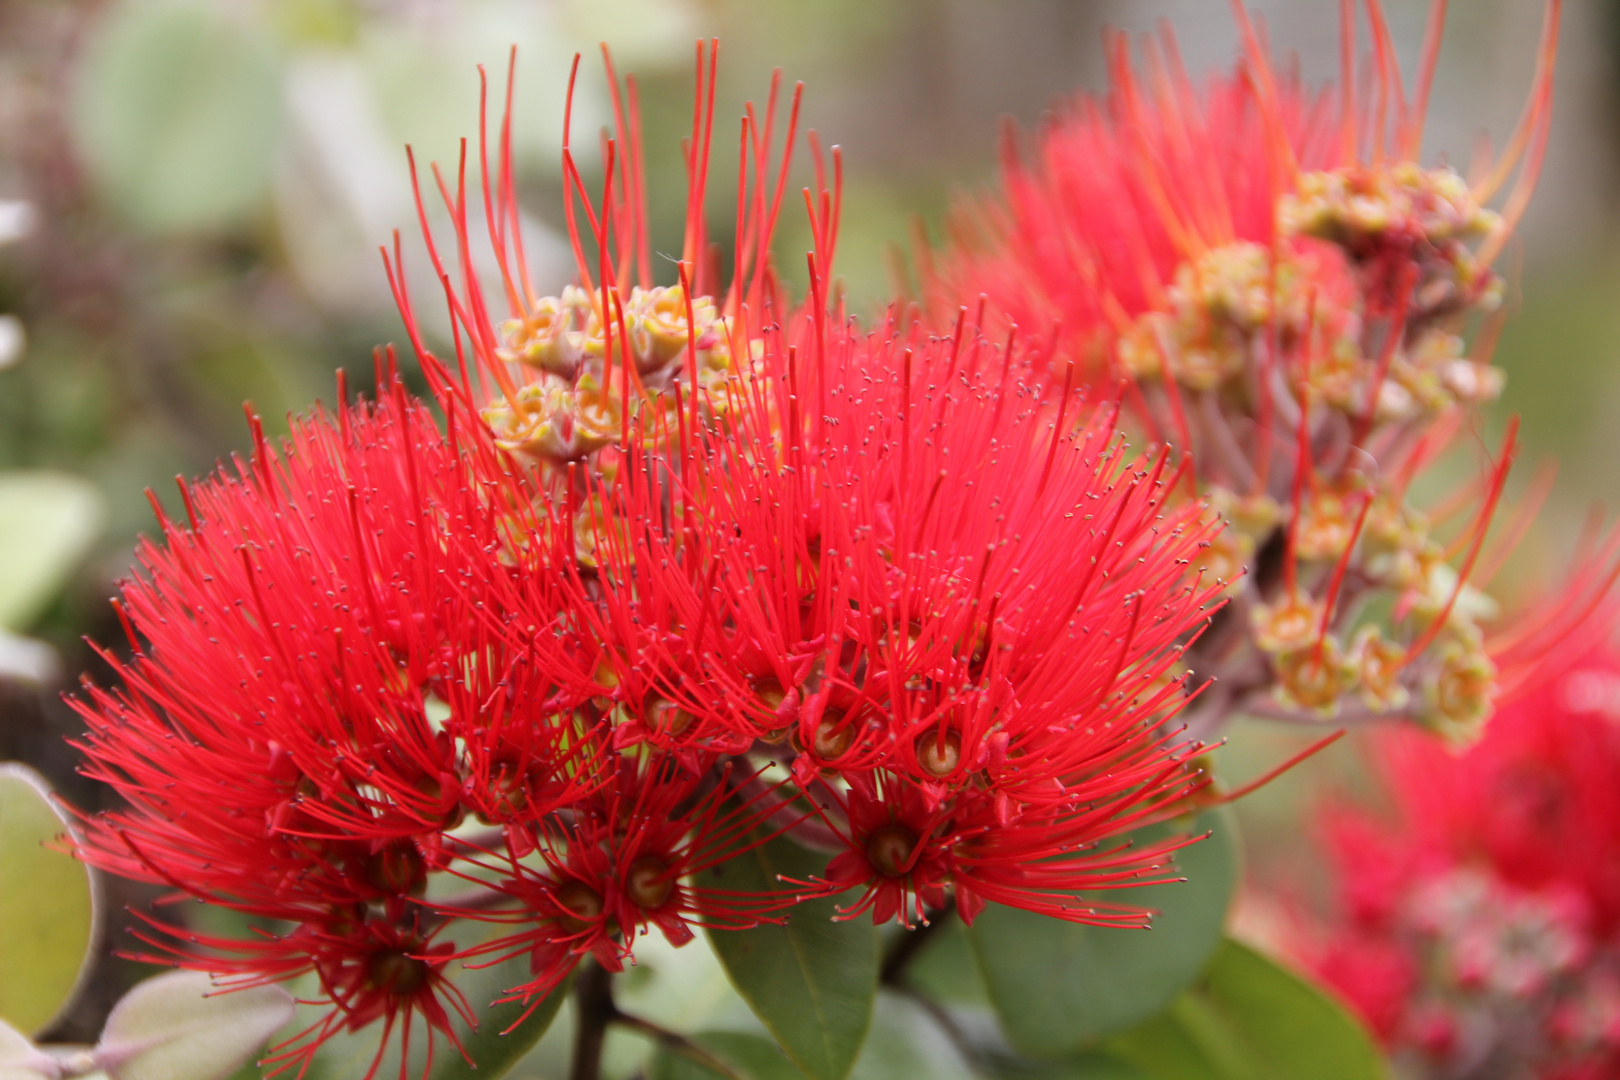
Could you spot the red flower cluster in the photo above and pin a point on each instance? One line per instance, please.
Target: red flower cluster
(959, 611)
(686, 574)
(1482, 925)
(1283, 289)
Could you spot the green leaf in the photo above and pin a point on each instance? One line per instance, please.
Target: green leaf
(180, 1026)
(904, 1042)
(178, 113)
(811, 981)
(349, 1054)
(1057, 986)
(1249, 1019)
(47, 905)
(47, 523)
(748, 1057)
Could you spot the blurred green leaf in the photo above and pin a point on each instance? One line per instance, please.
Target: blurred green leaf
(180, 1026)
(1057, 986)
(47, 905)
(749, 1057)
(683, 988)
(1249, 1019)
(47, 523)
(811, 981)
(316, 22)
(178, 113)
(492, 1048)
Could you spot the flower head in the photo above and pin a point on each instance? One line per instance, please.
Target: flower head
(688, 568)
(909, 570)
(626, 859)
(947, 605)
(1286, 290)
(279, 738)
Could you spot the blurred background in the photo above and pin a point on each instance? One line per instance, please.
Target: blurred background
(192, 195)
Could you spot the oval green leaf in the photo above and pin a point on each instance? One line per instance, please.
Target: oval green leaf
(48, 521)
(47, 905)
(1058, 986)
(180, 1026)
(1250, 1019)
(178, 113)
(490, 1046)
(811, 981)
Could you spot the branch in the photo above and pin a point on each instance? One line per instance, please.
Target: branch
(680, 1044)
(593, 1000)
(593, 1003)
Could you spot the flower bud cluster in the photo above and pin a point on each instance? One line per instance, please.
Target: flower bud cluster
(1396, 217)
(1308, 340)
(574, 406)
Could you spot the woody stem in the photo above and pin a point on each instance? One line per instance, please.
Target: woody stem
(594, 1010)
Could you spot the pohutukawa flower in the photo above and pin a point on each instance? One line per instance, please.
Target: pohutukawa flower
(316, 658)
(1286, 290)
(930, 587)
(624, 862)
(907, 570)
(687, 569)
(380, 970)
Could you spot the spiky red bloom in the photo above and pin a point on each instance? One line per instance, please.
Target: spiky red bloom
(378, 969)
(1483, 922)
(1122, 192)
(627, 858)
(684, 542)
(1538, 800)
(941, 590)
(905, 852)
(1283, 289)
(908, 567)
(273, 737)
